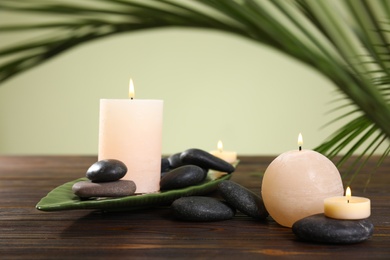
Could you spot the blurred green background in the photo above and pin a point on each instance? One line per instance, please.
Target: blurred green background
(214, 86)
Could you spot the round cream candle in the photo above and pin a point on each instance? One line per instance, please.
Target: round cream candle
(347, 207)
(130, 130)
(296, 183)
(228, 156)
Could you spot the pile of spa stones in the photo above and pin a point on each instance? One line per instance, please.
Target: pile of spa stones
(105, 181)
(177, 171)
(190, 167)
(235, 197)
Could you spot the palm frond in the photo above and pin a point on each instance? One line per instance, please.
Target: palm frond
(347, 41)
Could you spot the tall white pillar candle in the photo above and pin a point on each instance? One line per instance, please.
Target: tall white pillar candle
(130, 130)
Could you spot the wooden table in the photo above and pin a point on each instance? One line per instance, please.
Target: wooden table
(28, 233)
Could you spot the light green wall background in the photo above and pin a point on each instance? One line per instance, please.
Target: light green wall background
(214, 86)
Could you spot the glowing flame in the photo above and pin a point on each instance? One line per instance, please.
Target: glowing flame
(300, 140)
(348, 193)
(131, 89)
(220, 146)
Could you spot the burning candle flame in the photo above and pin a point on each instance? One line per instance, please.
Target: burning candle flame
(300, 141)
(348, 194)
(220, 146)
(131, 89)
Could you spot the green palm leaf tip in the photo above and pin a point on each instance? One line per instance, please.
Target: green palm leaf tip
(375, 63)
(347, 41)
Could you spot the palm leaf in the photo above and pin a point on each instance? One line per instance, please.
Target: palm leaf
(348, 43)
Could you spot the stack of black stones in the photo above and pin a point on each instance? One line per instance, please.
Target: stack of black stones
(199, 208)
(179, 170)
(105, 181)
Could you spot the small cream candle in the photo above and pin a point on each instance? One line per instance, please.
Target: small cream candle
(130, 130)
(228, 156)
(347, 207)
(296, 183)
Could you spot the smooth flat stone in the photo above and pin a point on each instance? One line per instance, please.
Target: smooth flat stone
(198, 208)
(319, 228)
(106, 170)
(87, 189)
(205, 160)
(181, 177)
(243, 199)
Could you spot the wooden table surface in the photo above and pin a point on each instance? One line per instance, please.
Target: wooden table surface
(27, 233)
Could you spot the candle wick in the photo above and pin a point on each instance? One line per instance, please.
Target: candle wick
(131, 98)
(300, 148)
(347, 201)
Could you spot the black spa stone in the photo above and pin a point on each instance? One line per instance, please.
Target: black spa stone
(205, 160)
(88, 189)
(181, 177)
(319, 228)
(165, 165)
(174, 161)
(106, 170)
(163, 174)
(197, 208)
(243, 199)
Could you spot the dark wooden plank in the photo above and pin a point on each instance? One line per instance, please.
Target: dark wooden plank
(26, 233)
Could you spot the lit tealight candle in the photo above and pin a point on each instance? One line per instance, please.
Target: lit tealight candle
(296, 183)
(347, 207)
(228, 156)
(130, 130)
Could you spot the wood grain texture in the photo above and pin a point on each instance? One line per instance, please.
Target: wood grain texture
(26, 233)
